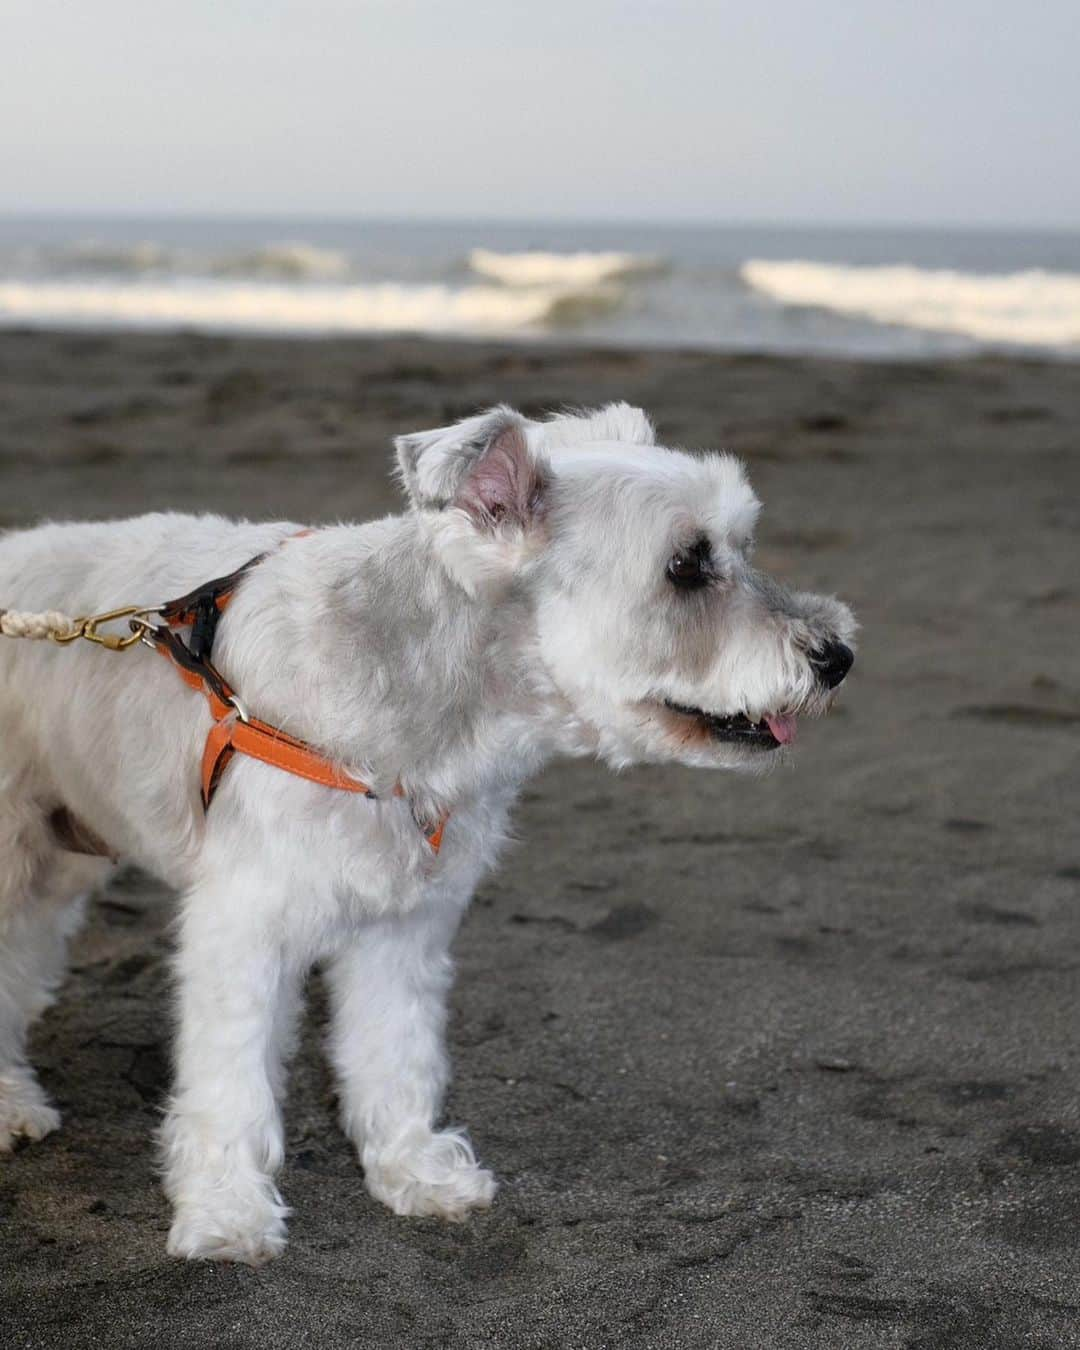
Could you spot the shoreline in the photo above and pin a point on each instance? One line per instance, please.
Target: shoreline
(565, 341)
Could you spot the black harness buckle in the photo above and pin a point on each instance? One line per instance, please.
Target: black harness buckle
(204, 626)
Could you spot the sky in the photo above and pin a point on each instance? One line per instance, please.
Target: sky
(962, 112)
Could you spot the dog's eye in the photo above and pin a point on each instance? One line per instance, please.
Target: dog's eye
(688, 568)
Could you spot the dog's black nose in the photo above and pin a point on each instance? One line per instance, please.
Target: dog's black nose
(832, 663)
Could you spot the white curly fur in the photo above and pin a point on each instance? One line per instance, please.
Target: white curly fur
(520, 608)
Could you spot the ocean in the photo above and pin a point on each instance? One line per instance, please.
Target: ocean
(881, 293)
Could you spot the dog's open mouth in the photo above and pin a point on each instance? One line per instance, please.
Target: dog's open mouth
(774, 729)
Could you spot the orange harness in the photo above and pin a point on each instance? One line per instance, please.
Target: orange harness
(235, 731)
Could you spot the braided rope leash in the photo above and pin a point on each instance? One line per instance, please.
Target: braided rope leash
(59, 627)
(50, 623)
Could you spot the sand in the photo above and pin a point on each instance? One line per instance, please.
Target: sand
(780, 1063)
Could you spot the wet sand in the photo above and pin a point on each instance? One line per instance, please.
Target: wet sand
(778, 1063)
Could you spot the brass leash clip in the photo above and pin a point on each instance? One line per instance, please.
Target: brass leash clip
(139, 616)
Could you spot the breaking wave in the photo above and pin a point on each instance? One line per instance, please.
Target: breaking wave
(572, 270)
(93, 255)
(1032, 308)
(264, 307)
(287, 260)
(290, 260)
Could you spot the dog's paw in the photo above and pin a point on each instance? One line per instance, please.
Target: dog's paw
(200, 1235)
(224, 1229)
(429, 1175)
(25, 1112)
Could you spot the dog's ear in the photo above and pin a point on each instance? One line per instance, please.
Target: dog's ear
(505, 485)
(485, 471)
(613, 422)
(482, 464)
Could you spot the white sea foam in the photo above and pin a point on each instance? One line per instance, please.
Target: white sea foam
(572, 270)
(261, 307)
(1033, 308)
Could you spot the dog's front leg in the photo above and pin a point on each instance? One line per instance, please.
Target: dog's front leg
(223, 1135)
(388, 992)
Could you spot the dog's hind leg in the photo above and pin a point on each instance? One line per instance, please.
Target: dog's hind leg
(42, 898)
(388, 992)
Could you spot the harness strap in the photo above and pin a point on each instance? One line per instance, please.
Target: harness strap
(220, 591)
(234, 731)
(204, 606)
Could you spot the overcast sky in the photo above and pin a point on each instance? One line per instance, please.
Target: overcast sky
(959, 111)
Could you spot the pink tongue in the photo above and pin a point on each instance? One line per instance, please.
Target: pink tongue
(783, 726)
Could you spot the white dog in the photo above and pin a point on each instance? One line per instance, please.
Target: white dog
(559, 587)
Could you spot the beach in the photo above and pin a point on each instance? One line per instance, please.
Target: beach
(760, 1063)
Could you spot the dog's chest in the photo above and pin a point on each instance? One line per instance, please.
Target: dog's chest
(356, 861)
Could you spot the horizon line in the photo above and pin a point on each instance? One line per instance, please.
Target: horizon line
(564, 222)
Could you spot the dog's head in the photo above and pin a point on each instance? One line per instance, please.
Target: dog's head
(634, 562)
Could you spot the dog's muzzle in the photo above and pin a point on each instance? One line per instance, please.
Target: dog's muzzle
(832, 662)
